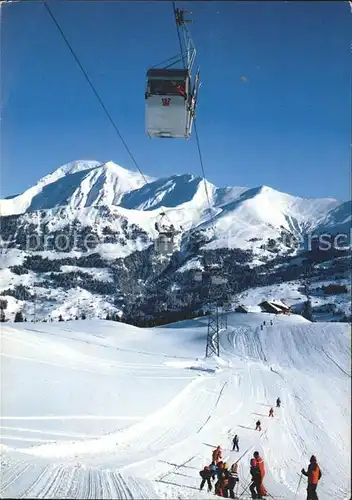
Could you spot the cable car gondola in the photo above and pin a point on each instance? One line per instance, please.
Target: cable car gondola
(212, 273)
(218, 280)
(198, 275)
(165, 243)
(170, 96)
(216, 274)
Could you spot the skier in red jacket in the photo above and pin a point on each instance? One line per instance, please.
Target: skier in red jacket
(314, 474)
(217, 455)
(257, 471)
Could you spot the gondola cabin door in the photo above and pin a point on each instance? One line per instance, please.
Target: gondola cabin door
(167, 103)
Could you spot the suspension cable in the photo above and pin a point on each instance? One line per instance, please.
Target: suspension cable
(204, 178)
(94, 90)
(200, 160)
(179, 36)
(197, 138)
(112, 120)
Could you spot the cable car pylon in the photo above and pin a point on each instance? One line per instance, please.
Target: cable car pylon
(213, 341)
(217, 321)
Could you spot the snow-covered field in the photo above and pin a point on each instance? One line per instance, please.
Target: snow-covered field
(97, 409)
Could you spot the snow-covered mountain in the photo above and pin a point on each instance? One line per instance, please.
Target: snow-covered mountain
(86, 184)
(77, 185)
(45, 230)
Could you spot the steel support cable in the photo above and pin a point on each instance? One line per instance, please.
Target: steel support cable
(210, 342)
(94, 90)
(204, 178)
(178, 35)
(212, 295)
(197, 137)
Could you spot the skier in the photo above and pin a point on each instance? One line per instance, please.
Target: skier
(233, 479)
(235, 443)
(205, 474)
(271, 412)
(314, 474)
(221, 475)
(254, 487)
(261, 327)
(263, 323)
(271, 322)
(260, 464)
(278, 403)
(258, 425)
(224, 481)
(214, 469)
(217, 455)
(219, 469)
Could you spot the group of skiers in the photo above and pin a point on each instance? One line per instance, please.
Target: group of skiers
(226, 479)
(258, 424)
(263, 324)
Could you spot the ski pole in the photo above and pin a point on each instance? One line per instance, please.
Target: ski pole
(299, 484)
(245, 489)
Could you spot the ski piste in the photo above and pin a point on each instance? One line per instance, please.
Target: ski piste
(164, 443)
(246, 497)
(267, 497)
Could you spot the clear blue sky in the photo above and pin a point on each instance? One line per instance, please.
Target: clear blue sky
(288, 126)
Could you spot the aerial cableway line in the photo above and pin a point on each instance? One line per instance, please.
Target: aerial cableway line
(171, 102)
(111, 120)
(212, 274)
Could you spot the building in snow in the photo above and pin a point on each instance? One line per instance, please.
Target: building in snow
(241, 308)
(274, 307)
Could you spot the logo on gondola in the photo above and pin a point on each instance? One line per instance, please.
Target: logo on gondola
(166, 101)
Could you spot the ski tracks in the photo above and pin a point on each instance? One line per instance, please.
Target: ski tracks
(60, 481)
(138, 449)
(177, 429)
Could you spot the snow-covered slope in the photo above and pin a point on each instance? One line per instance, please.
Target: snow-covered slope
(265, 211)
(156, 408)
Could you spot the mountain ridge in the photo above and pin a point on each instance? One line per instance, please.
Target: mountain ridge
(82, 183)
(134, 181)
(259, 234)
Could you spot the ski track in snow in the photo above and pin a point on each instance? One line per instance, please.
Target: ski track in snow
(158, 454)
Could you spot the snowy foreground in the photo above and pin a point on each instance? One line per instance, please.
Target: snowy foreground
(96, 409)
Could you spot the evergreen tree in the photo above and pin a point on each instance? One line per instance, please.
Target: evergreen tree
(83, 316)
(3, 306)
(107, 317)
(18, 317)
(308, 311)
(61, 318)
